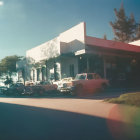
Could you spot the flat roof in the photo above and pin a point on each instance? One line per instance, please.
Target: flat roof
(109, 44)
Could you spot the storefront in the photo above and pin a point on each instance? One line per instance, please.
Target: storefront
(74, 52)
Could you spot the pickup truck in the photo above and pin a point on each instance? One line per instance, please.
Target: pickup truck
(86, 83)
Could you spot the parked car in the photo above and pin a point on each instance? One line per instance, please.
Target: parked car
(86, 83)
(62, 83)
(14, 89)
(40, 89)
(2, 89)
(43, 87)
(30, 83)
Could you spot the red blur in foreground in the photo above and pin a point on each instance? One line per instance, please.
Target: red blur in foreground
(124, 122)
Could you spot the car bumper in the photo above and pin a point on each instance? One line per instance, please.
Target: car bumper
(66, 89)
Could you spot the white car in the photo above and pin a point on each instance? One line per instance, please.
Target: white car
(61, 84)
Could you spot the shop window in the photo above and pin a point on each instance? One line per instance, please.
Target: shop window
(43, 73)
(38, 72)
(71, 70)
(33, 75)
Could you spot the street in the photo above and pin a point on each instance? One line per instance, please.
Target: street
(64, 119)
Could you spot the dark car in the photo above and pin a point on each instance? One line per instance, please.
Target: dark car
(2, 89)
(14, 89)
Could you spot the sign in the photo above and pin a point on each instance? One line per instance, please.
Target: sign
(80, 52)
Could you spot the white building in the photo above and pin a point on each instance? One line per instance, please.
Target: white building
(74, 52)
(65, 45)
(137, 42)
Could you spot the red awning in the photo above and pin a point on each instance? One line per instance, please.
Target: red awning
(109, 44)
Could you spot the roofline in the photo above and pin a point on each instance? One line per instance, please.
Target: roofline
(110, 44)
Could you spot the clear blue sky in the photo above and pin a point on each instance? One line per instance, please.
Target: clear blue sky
(25, 24)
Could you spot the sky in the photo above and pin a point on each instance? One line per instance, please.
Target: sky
(25, 24)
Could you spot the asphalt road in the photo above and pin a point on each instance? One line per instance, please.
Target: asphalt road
(61, 119)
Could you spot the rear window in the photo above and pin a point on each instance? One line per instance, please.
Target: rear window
(80, 77)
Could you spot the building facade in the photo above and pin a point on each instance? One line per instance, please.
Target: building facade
(74, 52)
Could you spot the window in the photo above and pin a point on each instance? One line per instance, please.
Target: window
(33, 75)
(80, 77)
(71, 70)
(38, 72)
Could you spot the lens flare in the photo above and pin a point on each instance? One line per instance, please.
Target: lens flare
(124, 122)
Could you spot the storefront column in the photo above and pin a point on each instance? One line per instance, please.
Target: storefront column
(36, 74)
(58, 70)
(104, 68)
(31, 74)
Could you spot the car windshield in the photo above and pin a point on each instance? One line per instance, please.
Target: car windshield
(80, 77)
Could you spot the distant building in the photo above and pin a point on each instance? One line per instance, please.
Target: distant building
(74, 52)
(137, 42)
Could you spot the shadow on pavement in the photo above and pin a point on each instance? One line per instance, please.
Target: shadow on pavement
(18, 122)
(109, 93)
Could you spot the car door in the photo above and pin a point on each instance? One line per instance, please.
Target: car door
(90, 83)
(93, 83)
